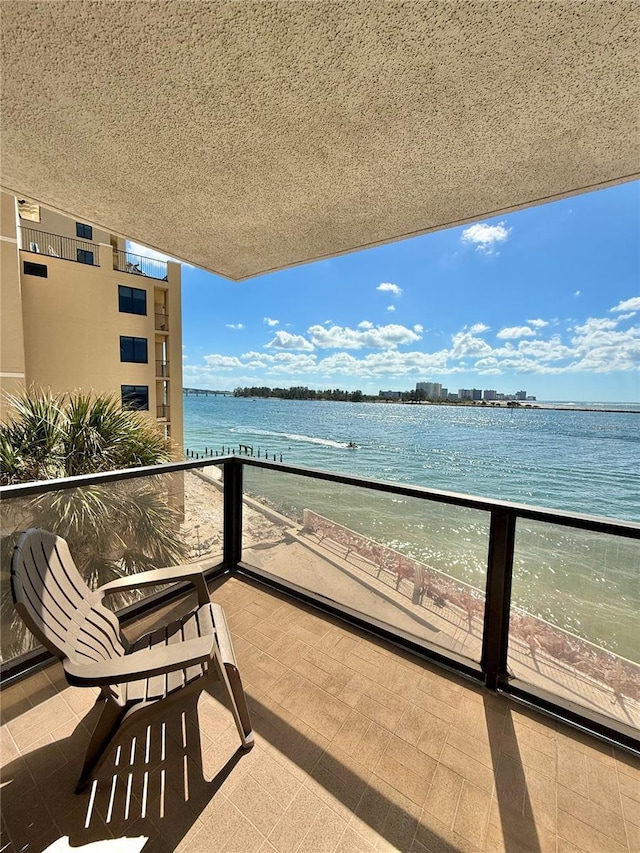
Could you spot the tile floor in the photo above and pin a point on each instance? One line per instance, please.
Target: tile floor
(358, 748)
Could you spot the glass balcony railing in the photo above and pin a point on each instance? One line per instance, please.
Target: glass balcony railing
(539, 604)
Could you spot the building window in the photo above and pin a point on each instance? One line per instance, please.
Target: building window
(132, 300)
(135, 396)
(35, 269)
(133, 349)
(84, 231)
(84, 256)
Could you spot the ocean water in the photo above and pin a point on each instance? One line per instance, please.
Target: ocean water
(578, 461)
(585, 462)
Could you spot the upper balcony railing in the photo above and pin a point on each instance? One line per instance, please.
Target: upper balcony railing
(139, 265)
(57, 246)
(539, 604)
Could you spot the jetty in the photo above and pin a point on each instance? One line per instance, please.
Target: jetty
(205, 392)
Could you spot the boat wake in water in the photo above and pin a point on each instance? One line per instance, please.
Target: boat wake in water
(292, 436)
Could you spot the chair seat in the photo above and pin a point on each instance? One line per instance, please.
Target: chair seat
(199, 623)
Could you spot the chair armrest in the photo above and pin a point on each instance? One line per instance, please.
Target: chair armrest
(155, 577)
(141, 664)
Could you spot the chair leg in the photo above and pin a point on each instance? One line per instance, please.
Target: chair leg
(230, 678)
(239, 703)
(103, 734)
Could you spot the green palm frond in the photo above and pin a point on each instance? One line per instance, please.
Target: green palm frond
(113, 529)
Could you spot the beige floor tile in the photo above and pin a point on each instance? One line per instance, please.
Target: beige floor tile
(434, 735)
(473, 771)
(585, 837)
(444, 795)
(472, 816)
(572, 769)
(257, 805)
(604, 789)
(629, 786)
(602, 820)
(353, 842)
(540, 800)
(324, 833)
(400, 825)
(358, 748)
(295, 822)
(631, 810)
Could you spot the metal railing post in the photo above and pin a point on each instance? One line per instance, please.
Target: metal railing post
(232, 495)
(495, 637)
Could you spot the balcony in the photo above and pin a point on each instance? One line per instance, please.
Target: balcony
(162, 368)
(162, 412)
(56, 246)
(363, 743)
(139, 265)
(162, 321)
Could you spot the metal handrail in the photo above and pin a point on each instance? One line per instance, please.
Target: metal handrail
(598, 524)
(162, 368)
(57, 246)
(140, 265)
(162, 322)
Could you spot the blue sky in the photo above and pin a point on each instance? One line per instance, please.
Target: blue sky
(545, 300)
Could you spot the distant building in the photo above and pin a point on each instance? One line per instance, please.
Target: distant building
(521, 395)
(389, 395)
(489, 394)
(432, 390)
(469, 394)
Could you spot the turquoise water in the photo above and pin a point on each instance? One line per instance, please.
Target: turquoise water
(577, 461)
(585, 462)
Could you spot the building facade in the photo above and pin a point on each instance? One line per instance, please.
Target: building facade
(432, 390)
(80, 313)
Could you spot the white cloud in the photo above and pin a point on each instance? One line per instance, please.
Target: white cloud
(234, 326)
(632, 304)
(596, 324)
(284, 340)
(596, 345)
(380, 337)
(516, 332)
(626, 316)
(271, 322)
(577, 293)
(391, 307)
(484, 237)
(538, 324)
(418, 328)
(466, 344)
(387, 287)
(221, 362)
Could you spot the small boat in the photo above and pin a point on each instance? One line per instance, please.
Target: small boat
(352, 446)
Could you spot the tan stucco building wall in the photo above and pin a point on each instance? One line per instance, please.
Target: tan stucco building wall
(62, 332)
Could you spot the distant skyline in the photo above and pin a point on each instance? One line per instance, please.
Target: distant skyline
(545, 300)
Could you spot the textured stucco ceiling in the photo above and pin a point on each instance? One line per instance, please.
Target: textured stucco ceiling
(248, 136)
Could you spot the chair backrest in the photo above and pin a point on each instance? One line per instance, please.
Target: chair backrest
(57, 605)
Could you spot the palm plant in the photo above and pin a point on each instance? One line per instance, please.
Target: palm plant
(112, 529)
